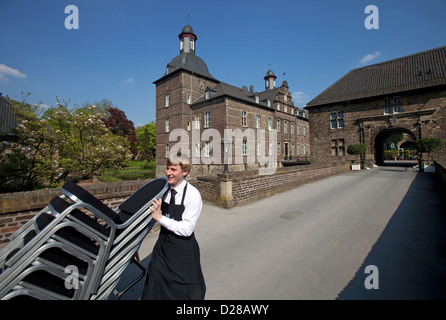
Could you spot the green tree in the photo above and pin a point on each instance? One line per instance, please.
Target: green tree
(429, 145)
(147, 141)
(46, 149)
(358, 149)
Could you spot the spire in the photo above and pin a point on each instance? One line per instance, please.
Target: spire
(187, 40)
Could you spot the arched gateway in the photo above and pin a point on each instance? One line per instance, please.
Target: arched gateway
(383, 135)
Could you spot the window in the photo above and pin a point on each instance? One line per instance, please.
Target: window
(167, 125)
(245, 147)
(257, 99)
(244, 119)
(207, 149)
(292, 128)
(285, 127)
(207, 119)
(387, 110)
(270, 125)
(188, 126)
(278, 148)
(197, 122)
(297, 129)
(167, 151)
(292, 148)
(285, 108)
(259, 148)
(167, 100)
(278, 107)
(189, 99)
(285, 98)
(305, 131)
(337, 120)
(192, 44)
(392, 106)
(208, 95)
(337, 147)
(268, 103)
(278, 125)
(258, 121)
(298, 149)
(270, 148)
(197, 150)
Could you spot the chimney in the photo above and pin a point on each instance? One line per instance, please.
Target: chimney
(251, 88)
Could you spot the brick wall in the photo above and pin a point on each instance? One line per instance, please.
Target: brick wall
(237, 188)
(423, 115)
(17, 208)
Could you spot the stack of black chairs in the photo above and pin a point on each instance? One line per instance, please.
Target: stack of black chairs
(77, 247)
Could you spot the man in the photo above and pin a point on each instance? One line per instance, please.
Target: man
(174, 271)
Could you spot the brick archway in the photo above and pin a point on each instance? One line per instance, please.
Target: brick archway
(382, 135)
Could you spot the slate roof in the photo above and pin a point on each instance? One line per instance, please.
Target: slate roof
(189, 62)
(421, 70)
(225, 89)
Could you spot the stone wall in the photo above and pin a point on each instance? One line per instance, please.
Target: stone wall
(238, 188)
(19, 207)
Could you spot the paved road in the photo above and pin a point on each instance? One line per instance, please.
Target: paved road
(314, 241)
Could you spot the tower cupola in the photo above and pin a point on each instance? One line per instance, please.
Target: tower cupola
(187, 40)
(270, 80)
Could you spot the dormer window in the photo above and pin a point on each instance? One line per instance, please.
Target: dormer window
(268, 103)
(192, 44)
(257, 99)
(207, 95)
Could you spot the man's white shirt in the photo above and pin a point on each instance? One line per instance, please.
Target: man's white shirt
(192, 210)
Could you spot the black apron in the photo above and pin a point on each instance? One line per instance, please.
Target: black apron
(174, 271)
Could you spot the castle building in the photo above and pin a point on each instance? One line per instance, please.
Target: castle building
(216, 123)
(369, 104)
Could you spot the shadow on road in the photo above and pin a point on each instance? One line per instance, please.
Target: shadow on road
(410, 254)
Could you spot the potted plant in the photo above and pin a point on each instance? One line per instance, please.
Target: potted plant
(427, 145)
(358, 149)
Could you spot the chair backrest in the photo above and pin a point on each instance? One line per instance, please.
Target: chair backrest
(142, 197)
(87, 197)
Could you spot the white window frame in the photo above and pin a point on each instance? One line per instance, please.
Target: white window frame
(244, 119)
(207, 119)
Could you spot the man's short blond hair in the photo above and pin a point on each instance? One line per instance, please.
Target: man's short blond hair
(181, 160)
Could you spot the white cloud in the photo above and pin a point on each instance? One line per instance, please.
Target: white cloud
(6, 72)
(300, 98)
(369, 57)
(128, 81)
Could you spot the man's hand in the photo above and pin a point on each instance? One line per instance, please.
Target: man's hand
(156, 209)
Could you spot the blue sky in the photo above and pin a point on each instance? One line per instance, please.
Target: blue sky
(121, 47)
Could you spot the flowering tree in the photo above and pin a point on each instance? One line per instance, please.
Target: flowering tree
(47, 148)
